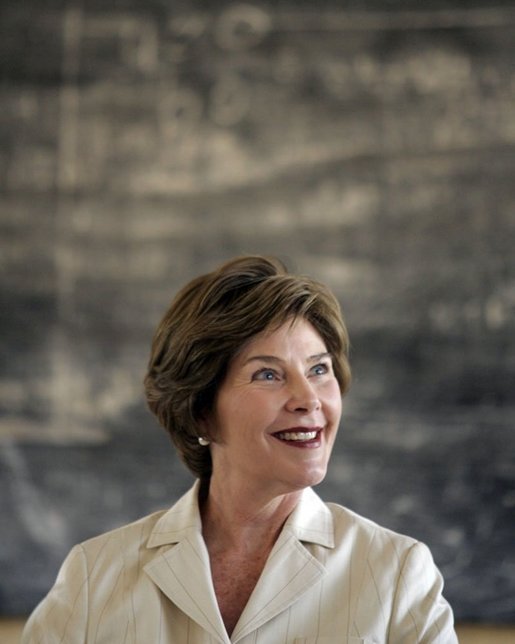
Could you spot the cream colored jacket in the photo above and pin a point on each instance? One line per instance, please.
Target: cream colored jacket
(332, 577)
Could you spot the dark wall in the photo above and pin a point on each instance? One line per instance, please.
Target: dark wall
(369, 144)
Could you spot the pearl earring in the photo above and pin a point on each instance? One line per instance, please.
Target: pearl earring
(203, 441)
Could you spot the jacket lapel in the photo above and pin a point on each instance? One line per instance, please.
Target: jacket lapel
(181, 569)
(182, 574)
(291, 570)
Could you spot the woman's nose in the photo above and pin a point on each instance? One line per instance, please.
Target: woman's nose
(303, 396)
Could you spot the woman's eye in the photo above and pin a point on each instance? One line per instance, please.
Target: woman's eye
(320, 369)
(265, 374)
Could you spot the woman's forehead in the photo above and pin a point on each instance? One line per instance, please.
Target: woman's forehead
(297, 337)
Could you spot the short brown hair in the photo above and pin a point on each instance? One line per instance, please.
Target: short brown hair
(209, 321)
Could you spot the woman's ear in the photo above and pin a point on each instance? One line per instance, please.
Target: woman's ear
(206, 430)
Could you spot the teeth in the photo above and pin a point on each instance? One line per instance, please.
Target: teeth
(297, 436)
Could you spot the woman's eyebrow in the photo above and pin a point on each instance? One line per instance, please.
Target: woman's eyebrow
(320, 356)
(272, 359)
(277, 360)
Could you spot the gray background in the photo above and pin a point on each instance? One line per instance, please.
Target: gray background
(369, 144)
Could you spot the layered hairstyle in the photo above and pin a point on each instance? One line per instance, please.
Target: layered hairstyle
(208, 323)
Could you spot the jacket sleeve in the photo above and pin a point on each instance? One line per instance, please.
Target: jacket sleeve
(420, 613)
(61, 617)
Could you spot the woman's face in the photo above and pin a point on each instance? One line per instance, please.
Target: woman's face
(276, 414)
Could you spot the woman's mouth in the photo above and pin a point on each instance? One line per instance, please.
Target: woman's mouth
(298, 436)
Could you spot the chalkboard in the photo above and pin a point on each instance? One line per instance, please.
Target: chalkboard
(370, 145)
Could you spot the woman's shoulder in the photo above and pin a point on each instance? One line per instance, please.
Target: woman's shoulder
(121, 539)
(375, 546)
(154, 529)
(351, 527)
(336, 526)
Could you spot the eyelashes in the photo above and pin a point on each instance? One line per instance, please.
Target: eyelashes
(321, 369)
(267, 374)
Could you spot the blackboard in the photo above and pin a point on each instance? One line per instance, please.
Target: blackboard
(369, 144)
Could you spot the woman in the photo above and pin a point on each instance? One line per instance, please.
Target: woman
(247, 372)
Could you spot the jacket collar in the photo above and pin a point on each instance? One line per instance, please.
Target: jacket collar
(310, 522)
(181, 520)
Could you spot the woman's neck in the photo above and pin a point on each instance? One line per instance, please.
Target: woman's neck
(241, 521)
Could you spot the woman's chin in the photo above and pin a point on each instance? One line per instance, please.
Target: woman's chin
(311, 477)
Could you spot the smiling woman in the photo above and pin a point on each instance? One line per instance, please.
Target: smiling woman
(275, 418)
(211, 321)
(247, 373)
